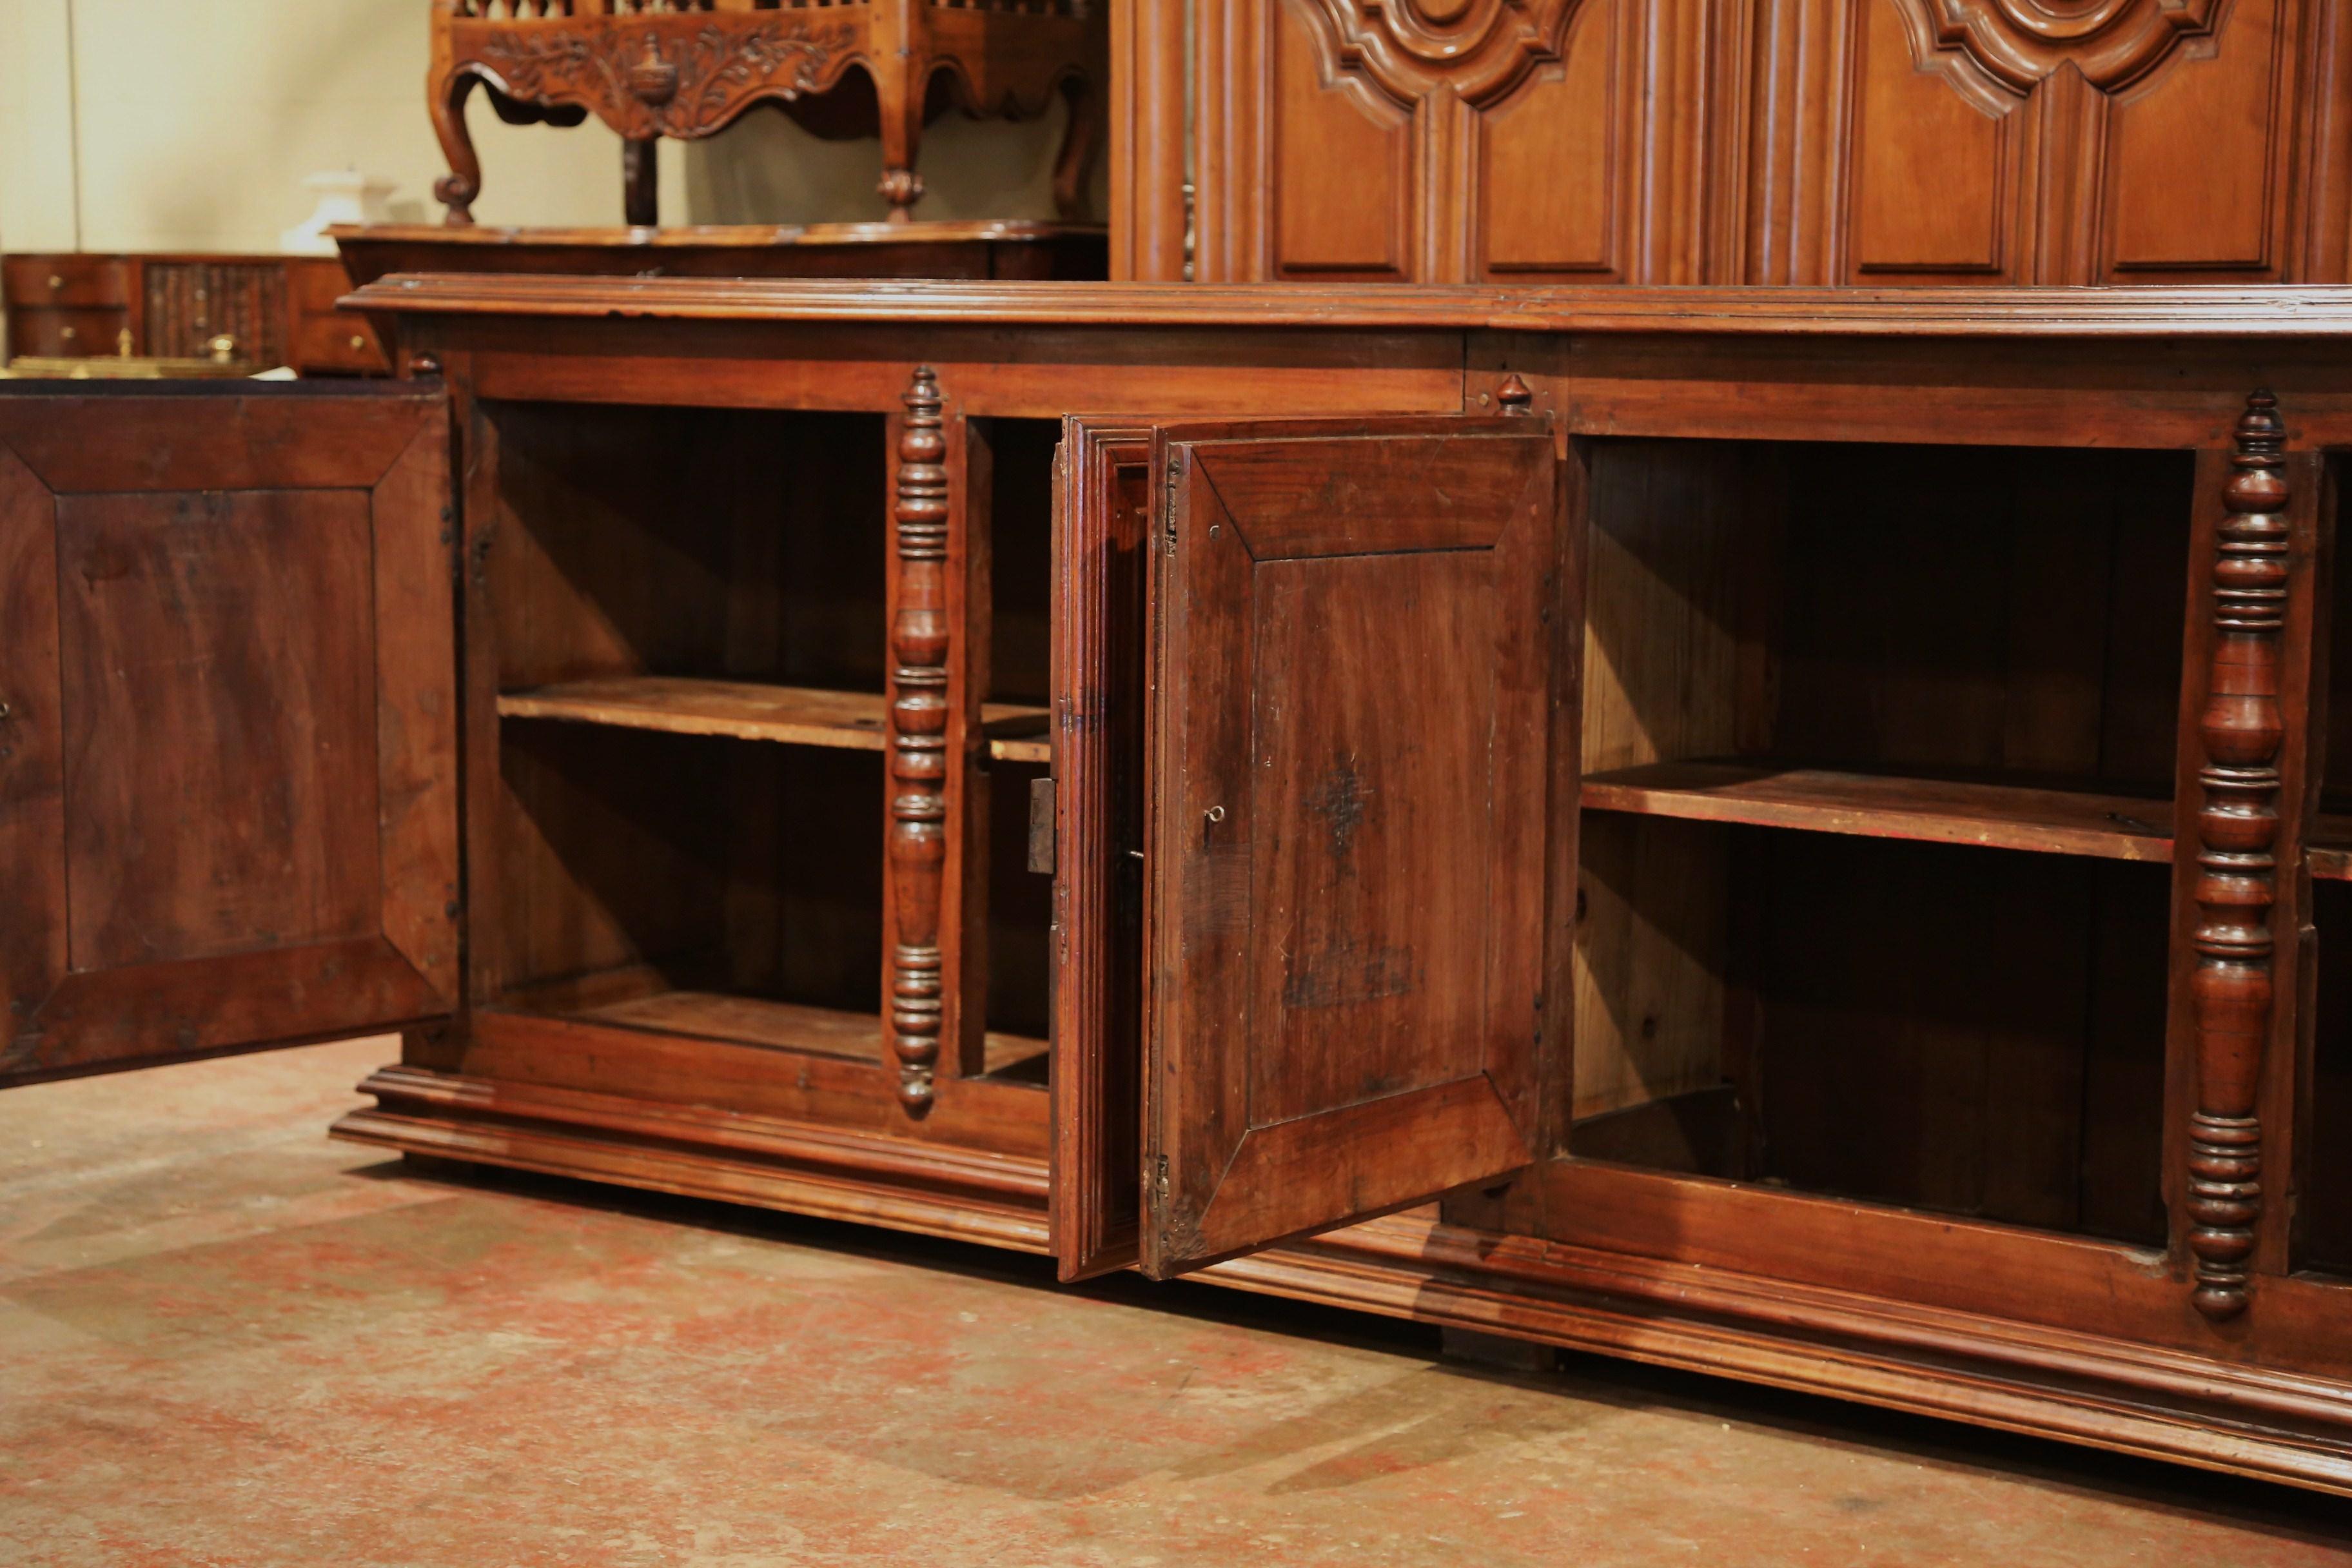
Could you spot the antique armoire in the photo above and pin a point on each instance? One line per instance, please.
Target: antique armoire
(1612, 728)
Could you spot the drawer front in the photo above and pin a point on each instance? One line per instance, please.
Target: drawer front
(65, 280)
(337, 340)
(65, 333)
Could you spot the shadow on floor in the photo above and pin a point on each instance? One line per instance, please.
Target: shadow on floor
(2273, 1509)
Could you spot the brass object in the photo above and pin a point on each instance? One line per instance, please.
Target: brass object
(123, 367)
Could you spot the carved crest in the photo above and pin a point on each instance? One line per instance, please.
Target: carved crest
(1480, 50)
(2010, 45)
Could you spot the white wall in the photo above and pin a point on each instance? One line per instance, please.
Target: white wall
(189, 124)
(37, 126)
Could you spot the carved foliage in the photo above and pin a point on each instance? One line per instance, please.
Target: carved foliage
(2237, 883)
(2010, 45)
(918, 742)
(681, 76)
(1479, 49)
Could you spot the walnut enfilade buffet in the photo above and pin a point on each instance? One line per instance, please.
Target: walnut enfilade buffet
(1799, 828)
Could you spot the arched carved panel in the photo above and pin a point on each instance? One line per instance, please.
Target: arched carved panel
(1790, 141)
(1448, 140)
(2195, 159)
(1932, 181)
(1477, 49)
(1547, 203)
(2065, 142)
(1342, 182)
(2011, 45)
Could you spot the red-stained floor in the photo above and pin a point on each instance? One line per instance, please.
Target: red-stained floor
(226, 1341)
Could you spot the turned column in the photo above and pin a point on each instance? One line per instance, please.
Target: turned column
(919, 741)
(2234, 989)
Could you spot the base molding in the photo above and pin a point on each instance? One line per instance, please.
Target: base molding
(2105, 1393)
(694, 1151)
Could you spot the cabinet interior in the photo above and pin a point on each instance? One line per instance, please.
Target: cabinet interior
(2323, 1208)
(1018, 662)
(1876, 821)
(690, 617)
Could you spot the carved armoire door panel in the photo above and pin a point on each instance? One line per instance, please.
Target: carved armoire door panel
(1998, 141)
(1549, 141)
(228, 719)
(1879, 142)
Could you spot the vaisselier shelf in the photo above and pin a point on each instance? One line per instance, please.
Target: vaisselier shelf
(751, 711)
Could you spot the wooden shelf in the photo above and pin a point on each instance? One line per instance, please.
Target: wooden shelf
(636, 998)
(2328, 847)
(1887, 806)
(749, 710)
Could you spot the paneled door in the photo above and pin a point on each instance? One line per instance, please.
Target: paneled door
(228, 719)
(1310, 676)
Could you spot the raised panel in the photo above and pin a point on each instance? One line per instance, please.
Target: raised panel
(2195, 155)
(32, 753)
(1930, 191)
(1341, 163)
(1351, 696)
(1551, 158)
(1385, 639)
(228, 780)
(220, 699)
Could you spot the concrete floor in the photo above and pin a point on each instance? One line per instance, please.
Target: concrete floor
(225, 1341)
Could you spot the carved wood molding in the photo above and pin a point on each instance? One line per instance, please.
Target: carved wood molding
(1997, 51)
(2242, 729)
(1478, 49)
(680, 76)
(687, 74)
(918, 742)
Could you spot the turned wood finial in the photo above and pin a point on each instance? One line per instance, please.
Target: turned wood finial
(918, 742)
(2237, 883)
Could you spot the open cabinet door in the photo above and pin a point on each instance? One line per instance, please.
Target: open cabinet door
(1102, 515)
(1340, 754)
(229, 790)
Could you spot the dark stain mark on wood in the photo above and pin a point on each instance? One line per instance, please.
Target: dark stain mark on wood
(1339, 801)
(1349, 972)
